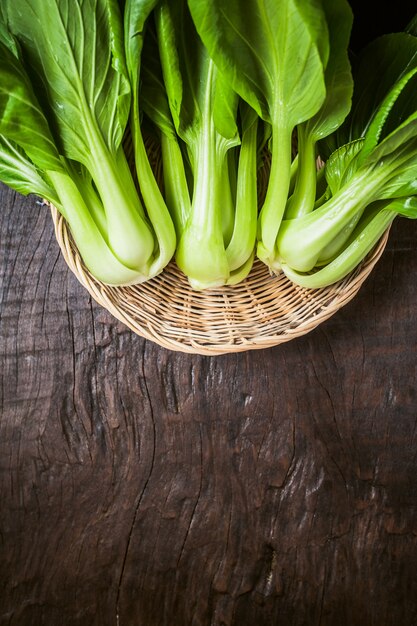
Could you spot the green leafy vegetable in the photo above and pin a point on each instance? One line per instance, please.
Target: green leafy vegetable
(204, 113)
(377, 169)
(335, 108)
(274, 54)
(136, 14)
(155, 104)
(223, 88)
(79, 116)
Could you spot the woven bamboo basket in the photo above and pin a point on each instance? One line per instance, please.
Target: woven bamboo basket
(262, 311)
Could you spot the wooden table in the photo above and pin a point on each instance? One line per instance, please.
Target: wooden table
(142, 487)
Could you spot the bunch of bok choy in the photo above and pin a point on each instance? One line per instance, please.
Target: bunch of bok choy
(290, 61)
(65, 103)
(209, 144)
(223, 87)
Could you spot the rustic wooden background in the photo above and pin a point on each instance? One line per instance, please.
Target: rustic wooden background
(141, 487)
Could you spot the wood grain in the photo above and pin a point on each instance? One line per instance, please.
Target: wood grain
(141, 487)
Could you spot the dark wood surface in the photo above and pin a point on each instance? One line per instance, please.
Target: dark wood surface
(142, 487)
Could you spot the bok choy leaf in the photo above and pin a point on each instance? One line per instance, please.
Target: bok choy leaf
(332, 113)
(136, 14)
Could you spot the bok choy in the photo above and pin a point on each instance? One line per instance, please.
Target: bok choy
(223, 88)
(216, 218)
(274, 54)
(371, 178)
(64, 108)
